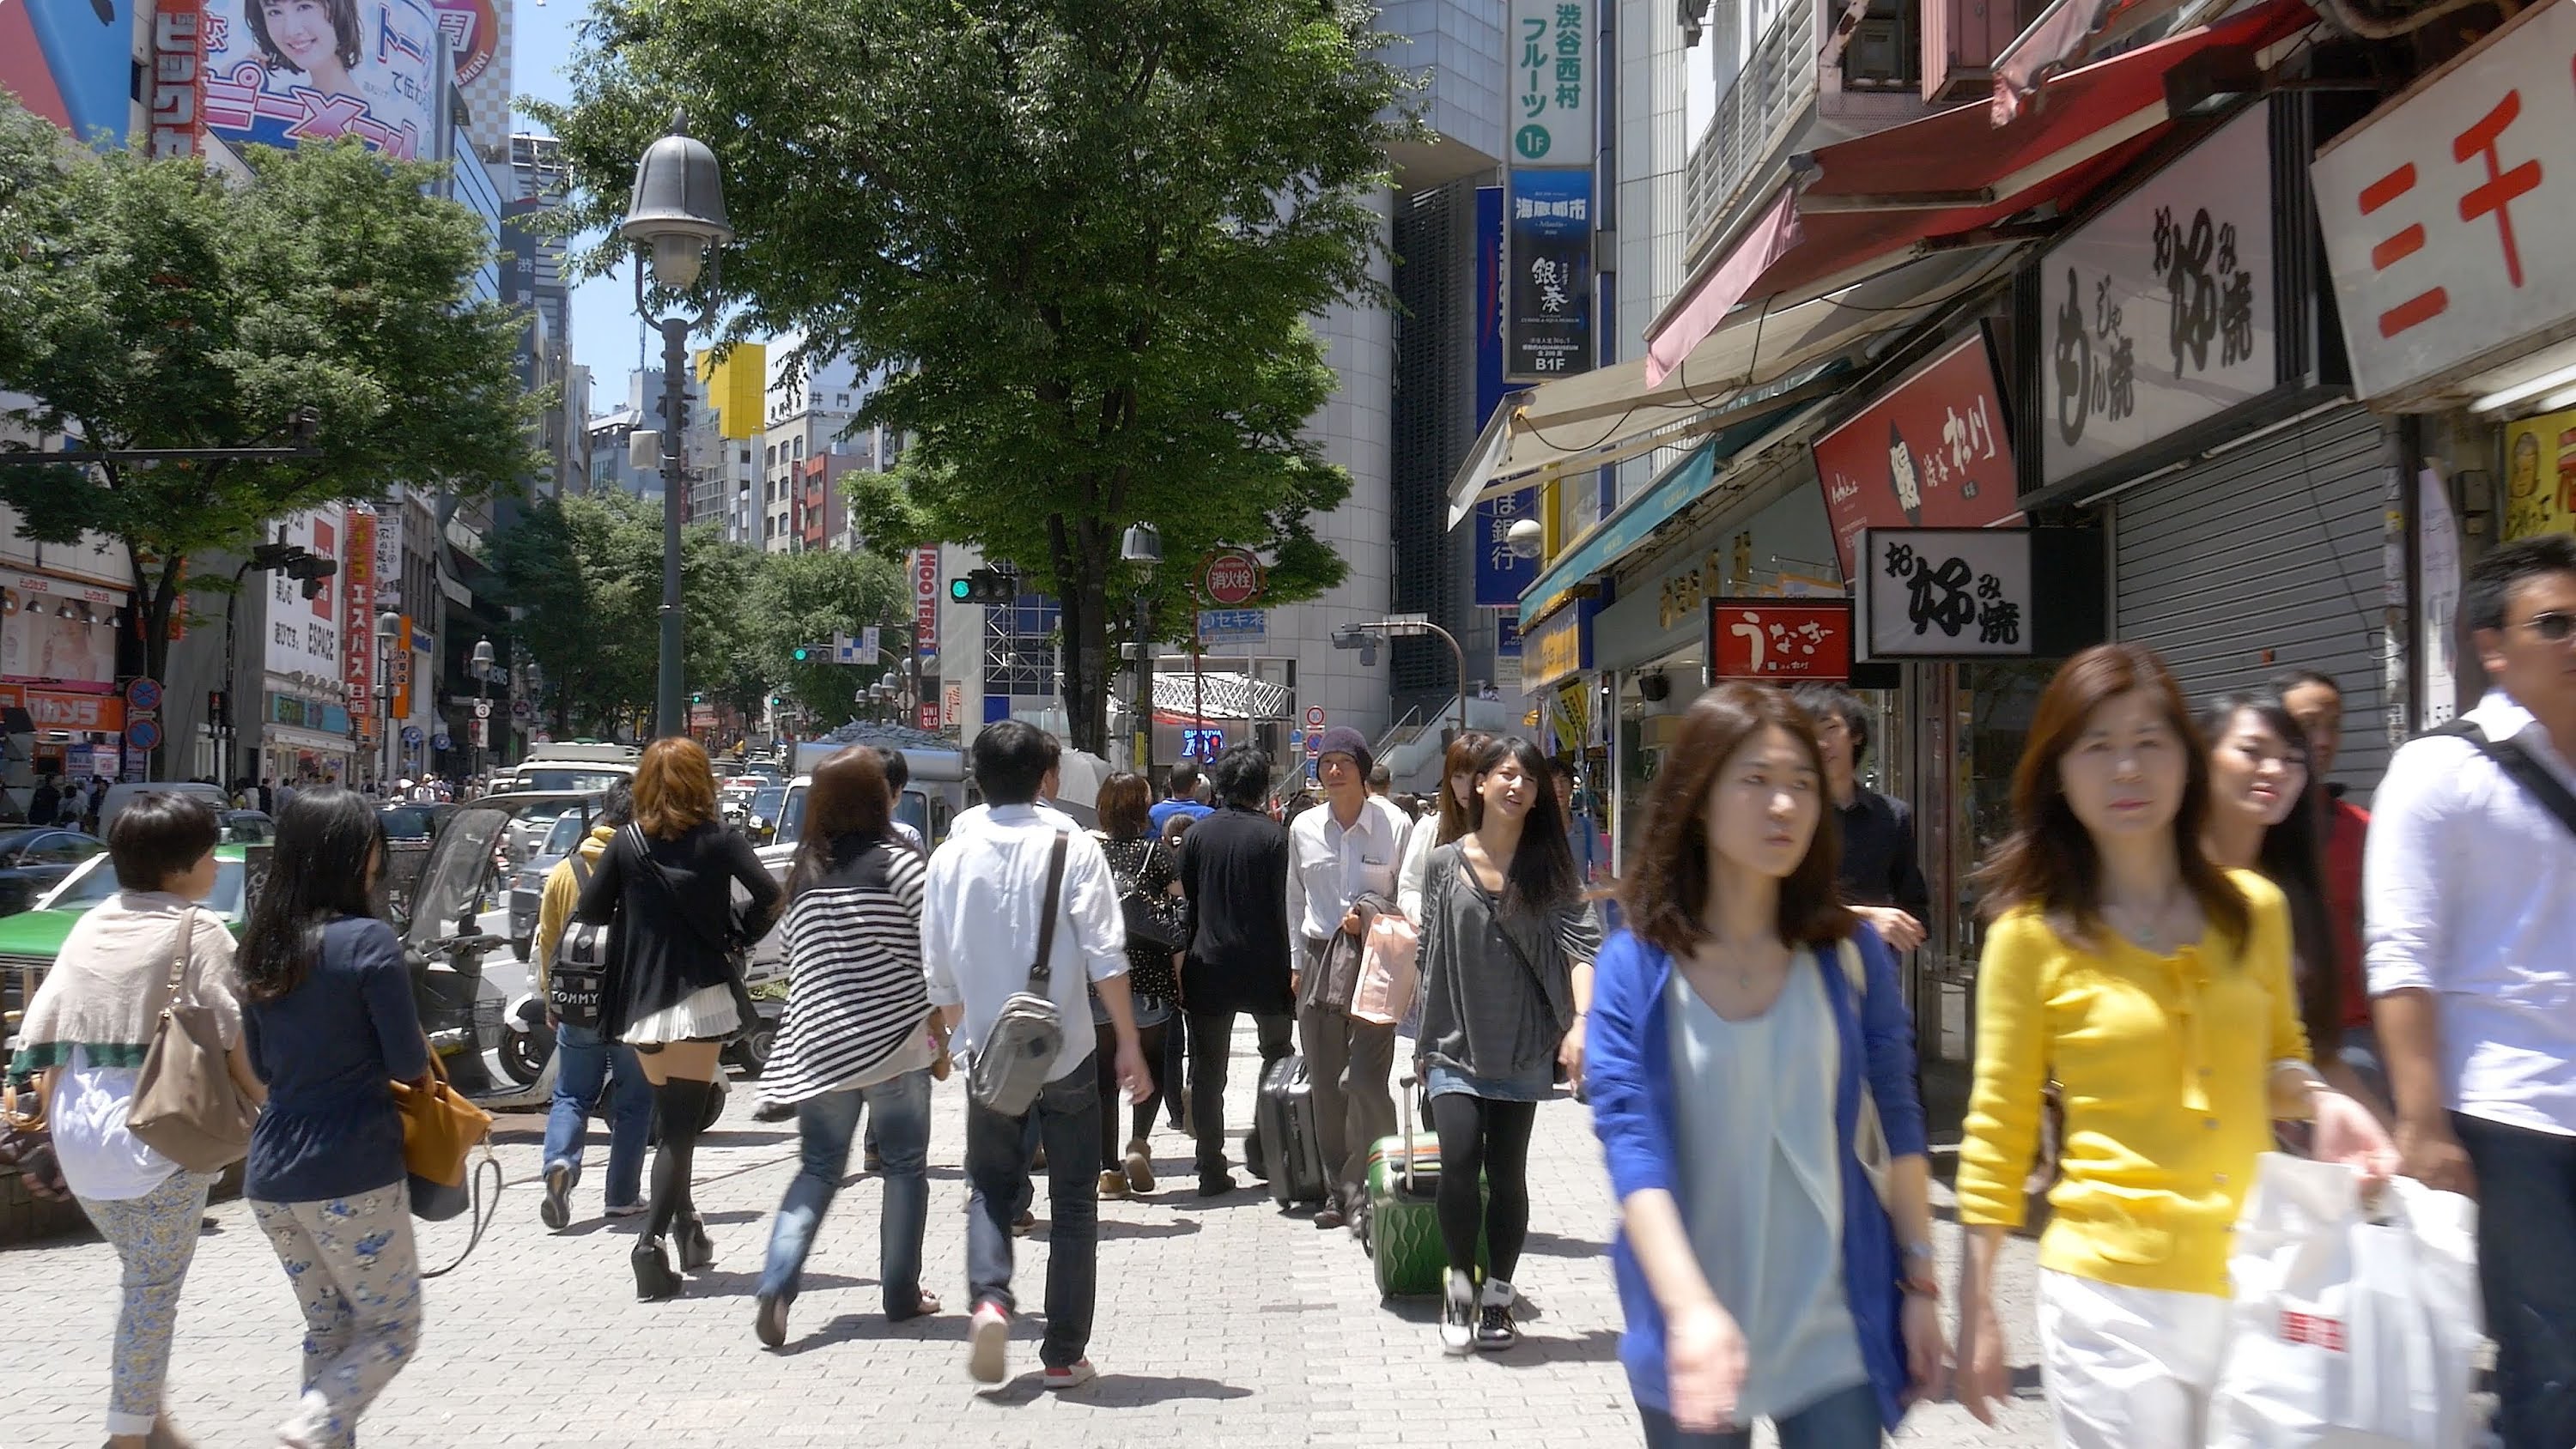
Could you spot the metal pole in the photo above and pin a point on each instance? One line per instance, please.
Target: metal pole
(1460, 657)
(671, 694)
(1144, 688)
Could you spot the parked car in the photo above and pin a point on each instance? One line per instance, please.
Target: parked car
(33, 861)
(32, 939)
(528, 881)
(246, 827)
(414, 822)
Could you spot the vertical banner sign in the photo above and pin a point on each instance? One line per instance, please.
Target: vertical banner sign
(402, 670)
(1548, 319)
(1551, 50)
(925, 602)
(358, 638)
(178, 77)
(1500, 576)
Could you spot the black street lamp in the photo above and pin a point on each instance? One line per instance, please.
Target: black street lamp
(676, 217)
(388, 639)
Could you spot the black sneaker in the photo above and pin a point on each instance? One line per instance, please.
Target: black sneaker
(556, 1211)
(1216, 1186)
(1495, 1330)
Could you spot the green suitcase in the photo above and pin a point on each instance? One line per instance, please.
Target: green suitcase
(1403, 1226)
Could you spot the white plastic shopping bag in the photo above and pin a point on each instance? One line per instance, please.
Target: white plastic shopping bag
(2354, 1327)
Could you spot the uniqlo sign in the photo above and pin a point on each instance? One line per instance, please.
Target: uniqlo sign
(1773, 640)
(2448, 214)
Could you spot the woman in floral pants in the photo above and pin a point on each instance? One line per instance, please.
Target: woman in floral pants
(350, 1262)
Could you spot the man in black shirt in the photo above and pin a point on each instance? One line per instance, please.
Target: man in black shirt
(1881, 878)
(1234, 868)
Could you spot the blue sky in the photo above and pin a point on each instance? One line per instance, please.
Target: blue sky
(603, 308)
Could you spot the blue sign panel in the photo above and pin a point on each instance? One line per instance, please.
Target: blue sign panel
(1548, 316)
(1235, 626)
(1507, 634)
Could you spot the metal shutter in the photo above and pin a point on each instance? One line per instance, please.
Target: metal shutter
(2273, 546)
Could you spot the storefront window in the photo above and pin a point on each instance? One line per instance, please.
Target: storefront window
(1980, 715)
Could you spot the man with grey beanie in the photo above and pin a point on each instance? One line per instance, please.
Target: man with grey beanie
(1353, 847)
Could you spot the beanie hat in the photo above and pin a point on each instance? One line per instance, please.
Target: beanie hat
(1343, 740)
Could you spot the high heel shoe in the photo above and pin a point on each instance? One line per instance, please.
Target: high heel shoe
(654, 1279)
(696, 1252)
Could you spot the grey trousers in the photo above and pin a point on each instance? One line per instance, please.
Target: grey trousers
(1348, 1063)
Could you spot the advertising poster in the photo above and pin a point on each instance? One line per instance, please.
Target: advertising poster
(1548, 317)
(1550, 48)
(1500, 575)
(478, 46)
(2540, 475)
(66, 61)
(280, 72)
(1934, 451)
(304, 634)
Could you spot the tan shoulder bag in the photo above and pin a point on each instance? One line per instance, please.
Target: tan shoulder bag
(186, 1105)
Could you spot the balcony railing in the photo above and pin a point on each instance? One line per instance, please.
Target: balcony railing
(1777, 84)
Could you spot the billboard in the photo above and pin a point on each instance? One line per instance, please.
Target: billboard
(478, 43)
(69, 62)
(1548, 300)
(287, 71)
(304, 634)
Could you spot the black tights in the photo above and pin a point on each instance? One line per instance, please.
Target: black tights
(1477, 1135)
(1149, 1042)
(681, 1107)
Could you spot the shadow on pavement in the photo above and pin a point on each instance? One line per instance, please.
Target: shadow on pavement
(1113, 1228)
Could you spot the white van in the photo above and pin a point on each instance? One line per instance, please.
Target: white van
(120, 796)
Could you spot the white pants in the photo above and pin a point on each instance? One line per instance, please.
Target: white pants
(2128, 1368)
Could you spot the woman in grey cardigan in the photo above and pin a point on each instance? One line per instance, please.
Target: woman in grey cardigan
(1507, 947)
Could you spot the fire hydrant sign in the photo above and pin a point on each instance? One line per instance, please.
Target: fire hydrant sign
(1231, 578)
(1780, 642)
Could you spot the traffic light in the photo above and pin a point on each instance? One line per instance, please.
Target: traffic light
(985, 586)
(803, 653)
(1352, 636)
(315, 572)
(219, 708)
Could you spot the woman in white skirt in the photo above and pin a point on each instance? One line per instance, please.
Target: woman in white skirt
(668, 882)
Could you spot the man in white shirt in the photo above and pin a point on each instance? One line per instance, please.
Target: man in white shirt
(982, 912)
(2470, 902)
(1353, 844)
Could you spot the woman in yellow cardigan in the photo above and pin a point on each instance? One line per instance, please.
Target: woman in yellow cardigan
(2154, 988)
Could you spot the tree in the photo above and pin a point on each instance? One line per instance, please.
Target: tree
(806, 598)
(1085, 237)
(153, 304)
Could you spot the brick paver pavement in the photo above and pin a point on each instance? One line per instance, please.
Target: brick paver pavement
(1220, 1322)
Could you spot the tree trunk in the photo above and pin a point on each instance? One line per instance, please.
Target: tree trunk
(1081, 572)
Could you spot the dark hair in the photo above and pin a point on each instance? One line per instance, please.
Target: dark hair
(1542, 876)
(1176, 825)
(847, 807)
(898, 770)
(2293, 857)
(1124, 806)
(2048, 861)
(1242, 776)
(1381, 777)
(1666, 893)
(1561, 767)
(616, 805)
(1012, 758)
(317, 873)
(348, 36)
(2290, 679)
(1184, 780)
(158, 835)
(675, 788)
(2492, 579)
(1820, 699)
(1459, 759)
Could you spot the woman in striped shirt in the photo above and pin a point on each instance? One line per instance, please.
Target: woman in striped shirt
(859, 1032)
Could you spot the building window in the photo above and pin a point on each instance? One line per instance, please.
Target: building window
(773, 455)
(800, 447)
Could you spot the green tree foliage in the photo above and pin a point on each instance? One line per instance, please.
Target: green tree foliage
(1086, 235)
(806, 598)
(153, 304)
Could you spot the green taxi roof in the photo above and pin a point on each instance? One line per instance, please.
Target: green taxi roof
(40, 934)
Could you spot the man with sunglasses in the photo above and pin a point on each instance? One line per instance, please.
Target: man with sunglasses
(2470, 896)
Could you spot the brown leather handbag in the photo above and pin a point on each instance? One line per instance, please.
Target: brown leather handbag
(440, 1131)
(187, 1107)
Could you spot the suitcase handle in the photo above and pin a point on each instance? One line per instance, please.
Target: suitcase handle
(1406, 1083)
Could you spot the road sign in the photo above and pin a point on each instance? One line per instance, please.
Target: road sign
(1230, 577)
(1314, 744)
(1233, 626)
(142, 734)
(482, 709)
(1314, 716)
(411, 737)
(441, 742)
(143, 694)
(522, 710)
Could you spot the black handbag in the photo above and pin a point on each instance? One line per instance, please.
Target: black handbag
(1149, 923)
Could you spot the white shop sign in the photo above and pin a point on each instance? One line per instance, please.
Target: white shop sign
(2158, 312)
(1945, 593)
(2447, 215)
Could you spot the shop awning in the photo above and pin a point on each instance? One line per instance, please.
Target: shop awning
(1859, 208)
(2072, 33)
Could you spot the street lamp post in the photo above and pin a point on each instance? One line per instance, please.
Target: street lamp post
(1405, 626)
(676, 216)
(482, 702)
(388, 639)
(1143, 547)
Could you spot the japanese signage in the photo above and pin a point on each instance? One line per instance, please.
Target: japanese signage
(925, 602)
(358, 640)
(1501, 575)
(1548, 299)
(1932, 452)
(283, 74)
(2540, 475)
(1507, 633)
(1947, 592)
(1550, 50)
(1230, 578)
(401, 671)
(952, 704)
(67, 61)
(304, 634)
(1765, 639)
(1559, 648)
(2447, 214)
(1232, 626)
(56, 709)
(307, 714)
(178, 78)
(2158, 312)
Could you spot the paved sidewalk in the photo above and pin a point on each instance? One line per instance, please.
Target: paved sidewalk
(1220, 1322)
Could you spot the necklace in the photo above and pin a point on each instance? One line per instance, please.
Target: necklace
(2148, 930)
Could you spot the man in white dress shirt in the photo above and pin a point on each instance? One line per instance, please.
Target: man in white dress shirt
(2470, 901)
(982, 910)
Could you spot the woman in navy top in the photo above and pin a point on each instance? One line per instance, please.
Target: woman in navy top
(328, 1012)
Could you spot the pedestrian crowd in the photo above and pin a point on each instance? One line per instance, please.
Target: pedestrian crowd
(2194, 952)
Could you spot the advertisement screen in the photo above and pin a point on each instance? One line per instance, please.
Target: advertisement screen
(280, 72)
(66, 60)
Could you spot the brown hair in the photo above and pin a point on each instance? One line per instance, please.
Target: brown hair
(1465, 757)
(675, 788)
(2049, 861)
(849, 804)
(1667, 890)
(1125, 805)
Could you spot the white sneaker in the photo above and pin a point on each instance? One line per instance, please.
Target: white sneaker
(1458, 1315)
(988, 1336)
(1495, 1330)
(1072, 1376)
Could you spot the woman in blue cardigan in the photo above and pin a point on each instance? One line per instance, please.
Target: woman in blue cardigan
(1729, 1057)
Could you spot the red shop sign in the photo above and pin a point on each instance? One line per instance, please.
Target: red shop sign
(1933, 452)
(57, 709)
(1780, 640)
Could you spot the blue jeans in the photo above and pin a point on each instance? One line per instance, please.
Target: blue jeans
(1843, 1419)
(899, 1114)
(2527, 1267)
(582, 1063)
(1067, 1118)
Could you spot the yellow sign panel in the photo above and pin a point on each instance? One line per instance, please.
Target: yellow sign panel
(2540, 475)
(735, 387)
